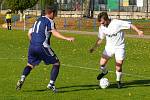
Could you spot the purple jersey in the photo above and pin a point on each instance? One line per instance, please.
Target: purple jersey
(41, 32)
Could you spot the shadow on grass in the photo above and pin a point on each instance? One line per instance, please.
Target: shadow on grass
(137, 83)
(69, 88)
(134, 83)
(78, 88)
(74, 88)
(38, 90)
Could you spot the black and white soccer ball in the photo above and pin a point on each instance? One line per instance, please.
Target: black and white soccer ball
(104, 83)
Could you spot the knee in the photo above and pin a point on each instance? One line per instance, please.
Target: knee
(29, 65)
(118, 64)
(119, 67)
(57, 64)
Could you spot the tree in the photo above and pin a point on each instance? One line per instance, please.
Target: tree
(20, 5)
(1, 3)
(45, 3)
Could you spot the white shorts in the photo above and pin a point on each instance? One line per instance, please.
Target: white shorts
(118, 52)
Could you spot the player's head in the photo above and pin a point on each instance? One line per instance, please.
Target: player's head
(103, 18)
(50, 12)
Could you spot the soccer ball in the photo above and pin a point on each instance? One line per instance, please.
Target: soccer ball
(104, 83)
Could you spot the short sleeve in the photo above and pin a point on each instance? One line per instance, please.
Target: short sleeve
(124, 24)
(101, 33)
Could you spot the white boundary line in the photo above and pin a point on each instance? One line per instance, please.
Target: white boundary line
(127, 74)
(74, 66)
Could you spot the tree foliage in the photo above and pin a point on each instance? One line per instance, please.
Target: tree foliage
(45, 3)
(20, 5)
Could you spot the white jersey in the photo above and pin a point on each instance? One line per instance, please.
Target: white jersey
(113, 33)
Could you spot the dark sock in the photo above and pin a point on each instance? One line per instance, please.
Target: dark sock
(54, 72)
(27, 70)
(9, 27)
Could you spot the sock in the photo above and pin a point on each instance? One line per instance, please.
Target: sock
(10, 27)
(54, 73)
(26, 71)
(118, 76)
(103, 69)
(7, 27)
(22, 78)
(51, 82)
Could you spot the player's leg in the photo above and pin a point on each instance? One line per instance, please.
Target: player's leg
(103, 61)
(7, 21)
(10, 24)
(107, 53)
(119, 72)
(49, 57)
(53, 76)
(25, 73)
(119, 56)
(33, 60)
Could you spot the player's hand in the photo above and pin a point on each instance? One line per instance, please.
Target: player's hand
(70, 39)
(92, 50)
(141, 34)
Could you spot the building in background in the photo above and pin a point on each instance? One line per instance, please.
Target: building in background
(107, 5)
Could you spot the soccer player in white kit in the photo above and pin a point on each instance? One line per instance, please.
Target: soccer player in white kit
(112, 30)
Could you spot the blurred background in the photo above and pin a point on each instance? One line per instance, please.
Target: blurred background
(75, 14)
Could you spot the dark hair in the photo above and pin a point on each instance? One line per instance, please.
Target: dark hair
(43, 12)
(103, 15)
(50, 9)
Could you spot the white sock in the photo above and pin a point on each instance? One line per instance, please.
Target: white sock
(22, 78)
(118, 76)
(103, 69)
(51, 82)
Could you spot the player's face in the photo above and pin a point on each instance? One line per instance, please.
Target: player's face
(103, 22)
(52, 15)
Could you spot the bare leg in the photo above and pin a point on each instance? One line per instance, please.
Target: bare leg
(103, 61)
(119, 72)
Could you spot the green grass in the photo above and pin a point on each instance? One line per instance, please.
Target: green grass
(74, 83)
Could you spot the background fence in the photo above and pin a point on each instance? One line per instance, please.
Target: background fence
(77, 8)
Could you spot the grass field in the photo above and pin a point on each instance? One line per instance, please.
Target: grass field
(77, 78)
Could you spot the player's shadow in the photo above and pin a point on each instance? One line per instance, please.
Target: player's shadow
(68, 88)
(134, 83)
(75, 88)
(37, 90)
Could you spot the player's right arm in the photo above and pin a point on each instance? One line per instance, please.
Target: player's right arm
(96, 45)
(58, 35)
(99, 40)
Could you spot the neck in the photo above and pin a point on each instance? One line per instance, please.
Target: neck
(49, 17)
(108, 21)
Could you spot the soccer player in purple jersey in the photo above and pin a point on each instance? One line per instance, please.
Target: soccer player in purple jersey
(40, 49)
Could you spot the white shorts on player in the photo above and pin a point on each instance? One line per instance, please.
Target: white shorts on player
(119, 53)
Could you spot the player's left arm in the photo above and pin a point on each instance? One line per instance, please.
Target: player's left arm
(52, 28)
(58, 35)
(140, 33)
